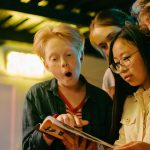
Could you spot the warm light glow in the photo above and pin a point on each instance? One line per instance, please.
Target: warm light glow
(60, 7)
(33, 20)
(25, 1)
(43, 3)
(24, 64)
(76, 10)
(92, 14)
(84, 29)
(39, 21)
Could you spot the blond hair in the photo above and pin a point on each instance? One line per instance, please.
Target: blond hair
(62, 31)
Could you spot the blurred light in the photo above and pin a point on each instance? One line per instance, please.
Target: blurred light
(84, 29)
(24, 64)
(25, 1)
(59, 6)
(43, 3)
(32, 20)
(76, 10)
(92, 14)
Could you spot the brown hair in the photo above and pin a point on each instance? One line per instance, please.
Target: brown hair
(111, 17)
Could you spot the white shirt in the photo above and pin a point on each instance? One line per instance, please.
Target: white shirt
(135, 119)
(108, 81)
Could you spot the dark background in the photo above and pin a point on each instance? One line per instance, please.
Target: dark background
(58, 10)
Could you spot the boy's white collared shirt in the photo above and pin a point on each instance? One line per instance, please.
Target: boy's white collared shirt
(135, 119)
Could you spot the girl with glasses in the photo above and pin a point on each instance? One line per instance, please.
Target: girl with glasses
(129, 59)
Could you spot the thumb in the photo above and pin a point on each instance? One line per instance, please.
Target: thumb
(84, 122)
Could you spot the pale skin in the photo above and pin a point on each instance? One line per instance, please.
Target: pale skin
(130, 74)
(72, 120)
(98, 37)
(64, 62)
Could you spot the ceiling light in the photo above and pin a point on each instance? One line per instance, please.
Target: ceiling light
(24, 64)
(59, 6)
(25, 1)
(84, 29)
(43, 3)
(76, 10)
(92, 14)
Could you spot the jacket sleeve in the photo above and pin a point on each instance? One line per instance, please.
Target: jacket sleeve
(108, 119)
(32, 140)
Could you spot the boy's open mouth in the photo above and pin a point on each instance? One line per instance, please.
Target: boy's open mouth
(68, 74)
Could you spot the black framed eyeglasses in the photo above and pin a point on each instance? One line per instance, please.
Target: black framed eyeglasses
(124, 62)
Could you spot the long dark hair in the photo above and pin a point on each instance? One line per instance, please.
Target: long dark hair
(141, 39)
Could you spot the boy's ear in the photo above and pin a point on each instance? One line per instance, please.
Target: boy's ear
(45, 64)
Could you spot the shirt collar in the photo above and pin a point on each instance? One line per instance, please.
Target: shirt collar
(141, 92)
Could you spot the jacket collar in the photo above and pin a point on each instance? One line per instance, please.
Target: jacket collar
(52, 85)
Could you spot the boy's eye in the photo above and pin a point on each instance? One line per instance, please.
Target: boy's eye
(53, 59)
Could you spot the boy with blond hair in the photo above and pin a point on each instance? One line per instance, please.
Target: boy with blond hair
(75, 101)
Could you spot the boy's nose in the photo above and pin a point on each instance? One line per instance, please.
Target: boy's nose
(64, 63)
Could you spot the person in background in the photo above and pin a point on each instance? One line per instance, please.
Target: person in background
(102, 28)
(144, 18)
(137, 6)
(68, 96)
(129, 60)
